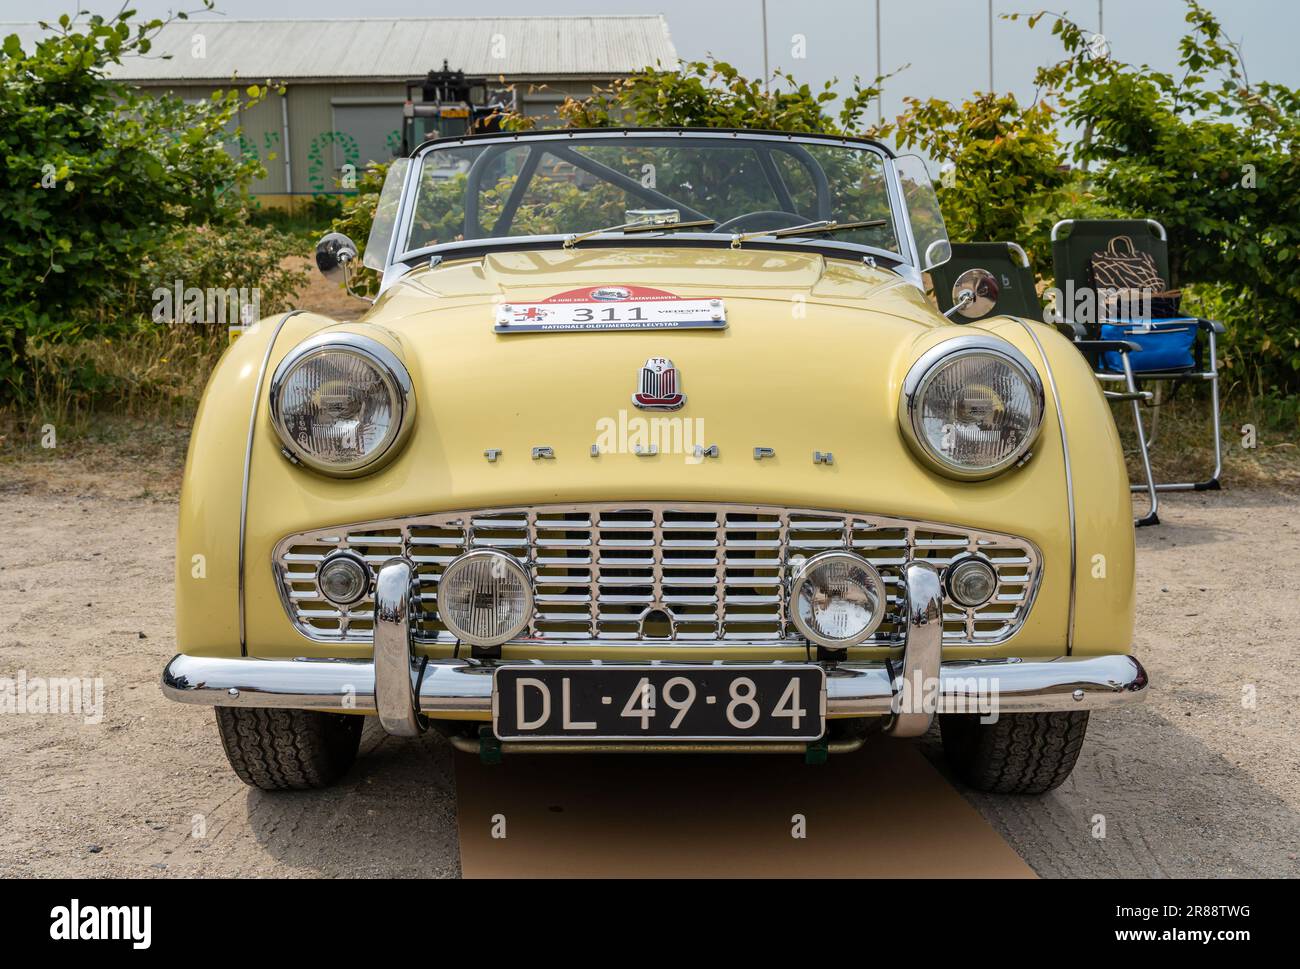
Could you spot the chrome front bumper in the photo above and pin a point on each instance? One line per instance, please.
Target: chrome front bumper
(402, 688)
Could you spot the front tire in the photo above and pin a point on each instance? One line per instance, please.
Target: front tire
(1019, 753)
(279, 750)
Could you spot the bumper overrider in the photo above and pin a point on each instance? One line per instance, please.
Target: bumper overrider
(404, 689)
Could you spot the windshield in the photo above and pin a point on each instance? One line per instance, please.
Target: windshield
(586, 183)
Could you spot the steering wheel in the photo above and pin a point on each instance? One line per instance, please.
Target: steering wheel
(765, 219)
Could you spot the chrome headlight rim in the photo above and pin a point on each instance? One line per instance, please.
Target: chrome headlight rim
(927, 367)
(509, 562)
(801, 577)
(395, 376)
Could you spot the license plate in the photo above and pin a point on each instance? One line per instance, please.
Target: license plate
(669, 314)
(786, 702)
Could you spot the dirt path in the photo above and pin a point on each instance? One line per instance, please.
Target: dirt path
(1194, 783)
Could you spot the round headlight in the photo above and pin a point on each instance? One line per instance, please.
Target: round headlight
(341, 403)
(971, 407)
(837, 599)
(344, 578)
(484, 597)
(971, 581)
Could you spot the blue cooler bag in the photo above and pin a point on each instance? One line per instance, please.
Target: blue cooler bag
(1166, 344)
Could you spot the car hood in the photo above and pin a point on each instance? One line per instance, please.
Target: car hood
(804, 335)
(812, 360)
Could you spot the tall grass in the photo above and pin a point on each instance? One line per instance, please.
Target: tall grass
(1259, 436)
(156, 372)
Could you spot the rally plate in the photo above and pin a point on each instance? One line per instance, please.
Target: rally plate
(636, 308)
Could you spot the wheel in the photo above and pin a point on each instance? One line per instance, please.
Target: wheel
(279, 750)
(1019, 753)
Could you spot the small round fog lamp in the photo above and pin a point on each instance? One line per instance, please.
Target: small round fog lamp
(971, 582)
(344, 578)
(484, 597)
(837, 599)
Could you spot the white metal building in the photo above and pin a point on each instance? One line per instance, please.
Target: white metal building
(344, 79)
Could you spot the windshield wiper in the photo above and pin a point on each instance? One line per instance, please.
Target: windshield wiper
(572, 240)
(808, 229)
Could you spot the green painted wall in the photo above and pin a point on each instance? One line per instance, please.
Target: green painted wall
(319, 143)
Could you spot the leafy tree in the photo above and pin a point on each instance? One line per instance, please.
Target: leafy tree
(96, 176)
(713, 94)
(1004, 174)
(1216, 159)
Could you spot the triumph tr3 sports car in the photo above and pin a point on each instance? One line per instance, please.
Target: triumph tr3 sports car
(650, 441)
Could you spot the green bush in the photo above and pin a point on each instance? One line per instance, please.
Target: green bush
(214, 258)
(97, 177)
(713, 94)
(1216, 159)
(1005, 174)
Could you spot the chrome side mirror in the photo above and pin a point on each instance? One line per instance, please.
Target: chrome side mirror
(335, 256)
(974, 294)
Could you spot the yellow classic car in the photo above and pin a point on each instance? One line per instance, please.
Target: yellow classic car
(650, 441)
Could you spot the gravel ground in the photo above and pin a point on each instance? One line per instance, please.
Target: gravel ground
(1194, 783)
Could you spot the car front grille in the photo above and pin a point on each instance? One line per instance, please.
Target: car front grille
(675, 574)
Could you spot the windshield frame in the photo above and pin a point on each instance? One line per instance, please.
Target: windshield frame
(907, 263)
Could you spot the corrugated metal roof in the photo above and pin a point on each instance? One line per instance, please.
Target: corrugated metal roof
(396, 49)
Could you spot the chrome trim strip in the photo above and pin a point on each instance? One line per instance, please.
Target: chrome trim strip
(922, 655)
(394, 669)
(464, 686)
(469, 746)
(248, 470)
(1069, 482)
(666, 131)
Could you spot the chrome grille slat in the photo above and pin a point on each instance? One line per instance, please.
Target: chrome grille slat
(717, 573)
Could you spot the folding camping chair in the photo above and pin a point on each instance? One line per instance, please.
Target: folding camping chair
(1008, 289)
(1153, 361)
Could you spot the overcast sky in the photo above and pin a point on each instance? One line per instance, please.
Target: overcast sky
(945, 42)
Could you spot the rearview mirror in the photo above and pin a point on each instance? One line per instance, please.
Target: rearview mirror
(334, 253)
(974, 294)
